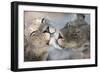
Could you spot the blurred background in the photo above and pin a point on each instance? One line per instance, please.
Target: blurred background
(58, 19)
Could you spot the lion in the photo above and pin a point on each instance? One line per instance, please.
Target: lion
(76, 34)
(36, 41)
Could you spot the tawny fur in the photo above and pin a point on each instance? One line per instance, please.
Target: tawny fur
(37, 47)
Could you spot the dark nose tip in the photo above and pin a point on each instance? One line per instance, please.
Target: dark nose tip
(60, 37)
(47, 43)
(47, 30)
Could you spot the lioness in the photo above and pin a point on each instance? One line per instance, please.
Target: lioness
(36, 41)
(76, 34)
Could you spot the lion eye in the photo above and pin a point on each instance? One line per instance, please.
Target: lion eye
(32, 33)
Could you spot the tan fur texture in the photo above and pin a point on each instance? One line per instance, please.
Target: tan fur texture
(37, 47)
(36, 42)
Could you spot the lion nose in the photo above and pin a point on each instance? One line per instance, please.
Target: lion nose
(60, 37)
(47, 42)
(47, 30)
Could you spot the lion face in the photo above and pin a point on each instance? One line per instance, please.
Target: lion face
(74, 36)
(37, 46)
(39, 39)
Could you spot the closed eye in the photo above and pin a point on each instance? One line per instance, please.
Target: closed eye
(33, 33)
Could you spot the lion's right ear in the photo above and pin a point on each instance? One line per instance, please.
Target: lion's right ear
(46, 30)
